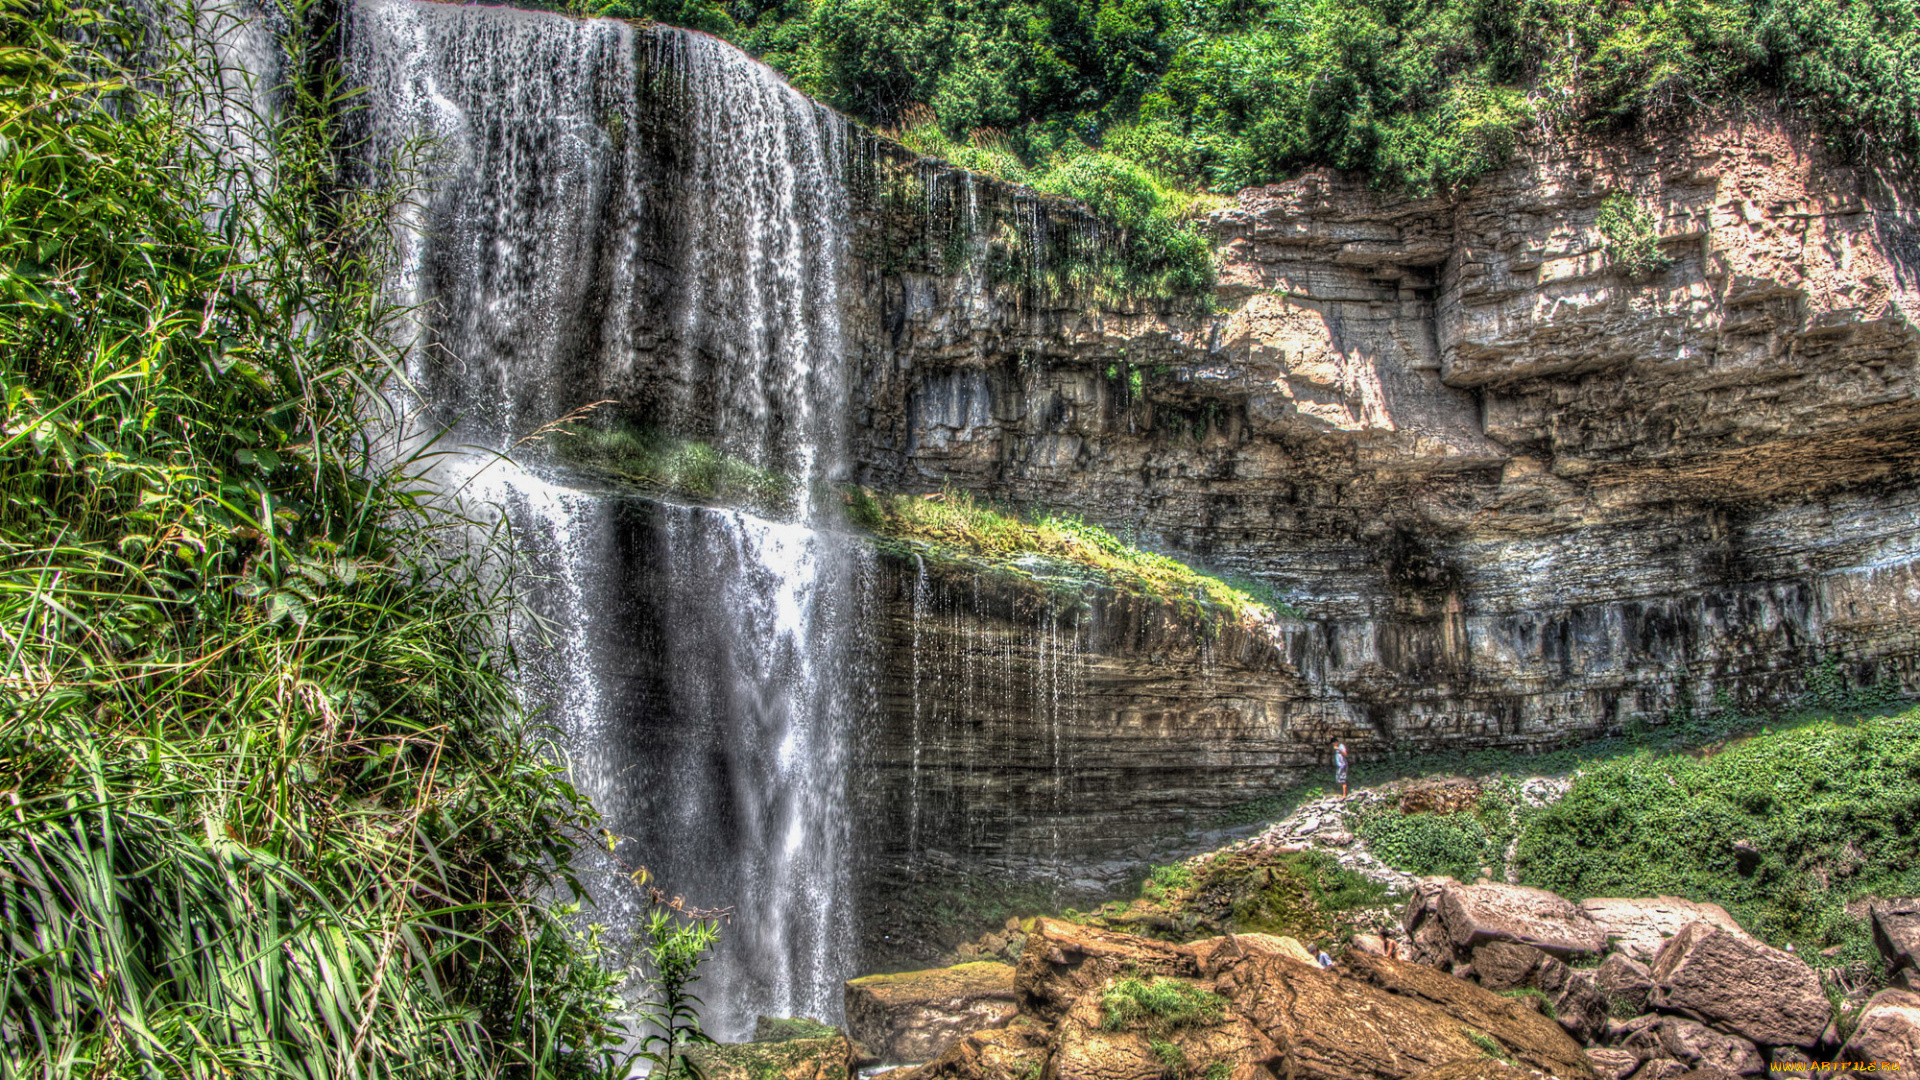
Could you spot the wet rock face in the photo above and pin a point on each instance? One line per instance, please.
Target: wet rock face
(1518, 495)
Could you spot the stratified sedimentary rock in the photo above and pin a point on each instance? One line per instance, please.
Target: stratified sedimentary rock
(1638, 927)
(916, 1015)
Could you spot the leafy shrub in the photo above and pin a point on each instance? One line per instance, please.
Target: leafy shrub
(1457, 845)
(1832, 807)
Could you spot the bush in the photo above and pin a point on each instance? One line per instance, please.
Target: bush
(1456, 845)
(1832, 809)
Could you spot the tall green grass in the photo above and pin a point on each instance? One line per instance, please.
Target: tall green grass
(268, 806)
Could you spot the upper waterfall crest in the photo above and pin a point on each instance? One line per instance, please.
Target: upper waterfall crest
(612, 212)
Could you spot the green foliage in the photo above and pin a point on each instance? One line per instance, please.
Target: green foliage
(1423, 94)
(1158, 1006)
(1832, 808)
(1457, 845)
(273, 807)
(684, 467)
(676, 945)
(1630, 239)
(1162, 880)
(1541, 1002)
(955, 525)
(1487, 1044)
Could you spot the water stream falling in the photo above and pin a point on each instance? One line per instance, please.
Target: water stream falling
(648, 215)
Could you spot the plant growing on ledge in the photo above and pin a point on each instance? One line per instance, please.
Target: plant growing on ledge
(953, 524)
(1629, 237)
(668, 465)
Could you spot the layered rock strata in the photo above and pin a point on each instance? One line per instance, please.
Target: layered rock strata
(1518, 495)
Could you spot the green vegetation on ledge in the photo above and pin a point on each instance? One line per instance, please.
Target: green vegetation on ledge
(685, 467)
(954, 525)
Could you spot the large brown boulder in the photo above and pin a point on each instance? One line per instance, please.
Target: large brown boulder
(1015, 1052)
(1889, 1031)
(1577, 1002)
(1502, 965)
(1215, 954)
(1639, 927)
(1530, 1039)
(1481, 1068)
(1896, 930)
(1326, 1027)
(1696, 1046)
(1612, 1063)
(1427, 941)
(1063, 961)
(1476, 914)
(1741, 986)
(793, 1059)
(1626, 982)
(915, 1015)
(1085, 1049)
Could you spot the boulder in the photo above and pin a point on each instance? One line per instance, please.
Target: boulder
(1476, 914)
(1370, 943)
(1697, 1046)
(1660, 1069)
(1896, 930)
(1610, 1063)
(1062, 961)
(915, 1015)
(1503, 965)
(792, 1059)
(1481, 1068)
(1639, 927)
(1626, 982)
(1741, 986)
(1216, 954)
(1326, 1027)
(1085, 1049)
(1426, 937)
(1579, 1005)
(1889, 1031)
(1018, 1051)
(1527, 1037)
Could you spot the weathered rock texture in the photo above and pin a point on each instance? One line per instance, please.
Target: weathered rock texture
(1732, 981)
(1272, 1016)
(915, 1015)
(1517, 496)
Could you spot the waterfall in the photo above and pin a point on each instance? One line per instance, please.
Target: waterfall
(647, 215)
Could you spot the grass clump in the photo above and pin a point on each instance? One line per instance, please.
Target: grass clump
(956, 525)
(272, 806)
(1630, 239)
(685, 467)
(1782, 827)
(1304, 894)
(1158, 1006)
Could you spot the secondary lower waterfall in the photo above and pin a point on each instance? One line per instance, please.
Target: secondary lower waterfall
(647, 215)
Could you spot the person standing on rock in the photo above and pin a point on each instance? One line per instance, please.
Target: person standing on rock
(1340, 766)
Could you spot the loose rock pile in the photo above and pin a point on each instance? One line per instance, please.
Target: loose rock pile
(1494, 980)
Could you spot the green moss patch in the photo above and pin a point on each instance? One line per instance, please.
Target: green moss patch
(1048, 548)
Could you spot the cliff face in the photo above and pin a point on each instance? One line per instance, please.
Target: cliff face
(1517, 494)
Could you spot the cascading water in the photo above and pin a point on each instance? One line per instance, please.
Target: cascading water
(643, 214)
